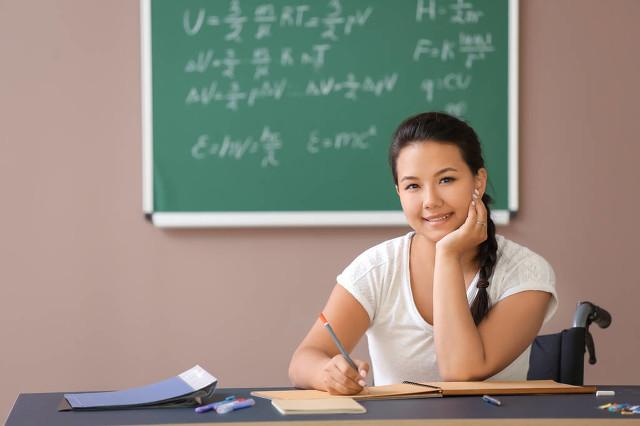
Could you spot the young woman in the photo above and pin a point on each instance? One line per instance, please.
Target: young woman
(450, 300)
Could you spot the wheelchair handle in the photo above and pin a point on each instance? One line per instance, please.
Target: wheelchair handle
(587, 312)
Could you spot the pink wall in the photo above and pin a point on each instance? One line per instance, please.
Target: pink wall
(93, 297)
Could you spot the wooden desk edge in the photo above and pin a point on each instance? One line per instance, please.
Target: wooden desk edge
(433, 422)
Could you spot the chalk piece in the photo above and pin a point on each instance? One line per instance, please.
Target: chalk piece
(605, 393)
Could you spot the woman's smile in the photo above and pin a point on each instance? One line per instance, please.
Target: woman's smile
(438, 220)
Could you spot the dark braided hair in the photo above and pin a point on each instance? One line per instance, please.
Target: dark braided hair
(443, 128)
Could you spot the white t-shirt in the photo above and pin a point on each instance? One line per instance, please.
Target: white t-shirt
(401, 344)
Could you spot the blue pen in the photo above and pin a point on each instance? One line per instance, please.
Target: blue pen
(490, 400)
(235, 405)
(215, 405)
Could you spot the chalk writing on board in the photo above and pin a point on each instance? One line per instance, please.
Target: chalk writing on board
(475, 46)
(456, 108)
(462, 12)
(450, 82)
(425, 47)
(205, 60)
(268, 62)
(262, 58)
(332, 25)
(232, 95)
(350, 86)
(465, 13)
(243, 68)
(340, 141)
(266, 145)
(472, 46)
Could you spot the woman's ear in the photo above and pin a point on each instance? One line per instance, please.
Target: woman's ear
(481, 181)
(397, 190)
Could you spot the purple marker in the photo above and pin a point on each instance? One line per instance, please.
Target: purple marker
(235, 405)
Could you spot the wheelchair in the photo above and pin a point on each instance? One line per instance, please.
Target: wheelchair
(560, 356)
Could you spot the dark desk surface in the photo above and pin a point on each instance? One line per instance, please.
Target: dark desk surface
(41, 409)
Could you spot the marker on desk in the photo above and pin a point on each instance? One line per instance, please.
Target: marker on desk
(491, 400)
(346, 356)
(214, 405)
(235, 405)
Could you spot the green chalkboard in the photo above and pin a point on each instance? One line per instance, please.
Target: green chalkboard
(280, 113)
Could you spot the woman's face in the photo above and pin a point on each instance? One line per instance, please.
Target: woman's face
(435, 187)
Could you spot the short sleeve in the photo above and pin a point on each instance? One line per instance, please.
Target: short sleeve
(532, 273)
(362, 279)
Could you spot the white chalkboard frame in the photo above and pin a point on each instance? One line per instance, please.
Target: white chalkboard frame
(306, 218)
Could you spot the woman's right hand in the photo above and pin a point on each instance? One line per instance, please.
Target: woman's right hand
(339, 378)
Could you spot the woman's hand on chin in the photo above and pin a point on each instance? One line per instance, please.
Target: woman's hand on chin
(470, 234)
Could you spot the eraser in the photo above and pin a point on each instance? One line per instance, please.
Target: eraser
(606, 393)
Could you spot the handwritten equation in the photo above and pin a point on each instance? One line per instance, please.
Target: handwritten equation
(331, 25)
(266, 145)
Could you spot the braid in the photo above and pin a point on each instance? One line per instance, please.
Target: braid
(487, 257)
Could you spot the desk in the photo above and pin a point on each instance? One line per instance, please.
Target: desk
(41, 409)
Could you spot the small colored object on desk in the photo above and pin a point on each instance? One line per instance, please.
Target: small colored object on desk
(235, 405)
(491, 400)
(214, 405)
(605, 393)
(624, 409)
(615, 407)
(341, 348)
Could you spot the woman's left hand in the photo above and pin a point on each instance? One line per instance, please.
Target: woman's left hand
(471, 233)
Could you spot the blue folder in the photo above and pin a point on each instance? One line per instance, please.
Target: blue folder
(187, 389)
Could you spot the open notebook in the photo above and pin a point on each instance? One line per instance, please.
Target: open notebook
(407, 390)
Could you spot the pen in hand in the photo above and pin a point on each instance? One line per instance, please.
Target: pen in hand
(341, 348)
